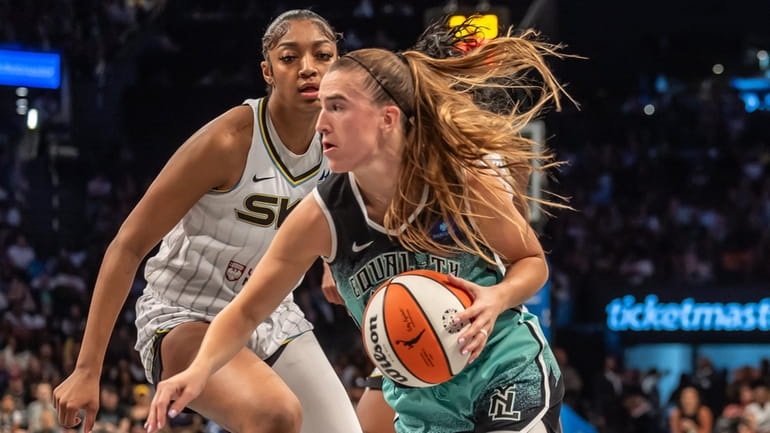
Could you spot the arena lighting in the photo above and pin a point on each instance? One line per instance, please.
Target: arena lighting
(764, 60)
(30, 69)
(750, 101)
(32, 119)
(486, 25)
(717, 69)
(753, 83)
(626, 314)
(491, 17)
(753, 91)
(649, 109)
(21, 106)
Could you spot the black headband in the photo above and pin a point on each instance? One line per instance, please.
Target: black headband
(406, 111)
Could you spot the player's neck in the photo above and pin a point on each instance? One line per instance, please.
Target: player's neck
(377, 178)
(377, 187)
(296, 129)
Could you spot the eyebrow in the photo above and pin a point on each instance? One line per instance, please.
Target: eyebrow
(335, 97)
(292, 44)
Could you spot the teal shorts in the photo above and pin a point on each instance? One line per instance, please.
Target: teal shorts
(513, 384)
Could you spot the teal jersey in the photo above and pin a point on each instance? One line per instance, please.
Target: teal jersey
(365, 256)
(516, 374)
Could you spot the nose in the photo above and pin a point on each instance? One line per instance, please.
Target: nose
(308, 68)
(321, 125)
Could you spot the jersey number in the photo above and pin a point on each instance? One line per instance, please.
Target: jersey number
(266, 210)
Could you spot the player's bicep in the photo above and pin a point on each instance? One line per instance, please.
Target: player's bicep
(512, 237)
(186, 177)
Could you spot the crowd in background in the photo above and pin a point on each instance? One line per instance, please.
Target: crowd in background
(681, 196)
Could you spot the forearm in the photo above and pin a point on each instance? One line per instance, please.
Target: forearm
(522, 280)
(231, 328)
(110, 292)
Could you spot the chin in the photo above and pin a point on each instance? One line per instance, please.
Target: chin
(338, 167)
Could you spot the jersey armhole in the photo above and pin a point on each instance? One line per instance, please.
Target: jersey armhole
(330, 221)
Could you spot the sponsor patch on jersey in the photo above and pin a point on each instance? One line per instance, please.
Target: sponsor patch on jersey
(234, 271)
(440, 232)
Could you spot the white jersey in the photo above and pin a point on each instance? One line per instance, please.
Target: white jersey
(205, 260)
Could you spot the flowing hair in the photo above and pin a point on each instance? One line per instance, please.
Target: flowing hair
(453, 140)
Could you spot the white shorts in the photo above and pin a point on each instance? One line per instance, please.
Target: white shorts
(156, 316)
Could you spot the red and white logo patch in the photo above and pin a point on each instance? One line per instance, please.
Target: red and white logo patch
(234, 271)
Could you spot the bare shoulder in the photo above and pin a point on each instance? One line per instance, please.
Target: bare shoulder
(492, 192)
(307, 226)
(230, 132)
(222, 145)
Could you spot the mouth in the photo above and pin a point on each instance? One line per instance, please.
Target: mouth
(327, 146)
(309, 90)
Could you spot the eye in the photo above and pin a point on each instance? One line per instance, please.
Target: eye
(332, 107)
(287, 58)
(324, 56)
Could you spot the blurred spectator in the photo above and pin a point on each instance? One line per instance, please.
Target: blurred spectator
(735, 413)
(20, 253)
(711, 384)
(112, 416)
(690, 415)
(760, 407)
(649, 386)
(18, 389)
(11, 418)
(573, 384)
(40, 412)
(138, 412)
(640, 415)
(607, 392)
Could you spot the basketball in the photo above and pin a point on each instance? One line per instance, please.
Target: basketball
(408, 331)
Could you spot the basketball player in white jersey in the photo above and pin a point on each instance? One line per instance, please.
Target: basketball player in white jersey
(217, 205)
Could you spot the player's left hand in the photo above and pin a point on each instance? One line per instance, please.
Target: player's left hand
(482, 314)
(171, 397)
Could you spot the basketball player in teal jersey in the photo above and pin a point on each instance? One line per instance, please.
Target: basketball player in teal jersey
(410, 192)
(217, 205)
(438, 41)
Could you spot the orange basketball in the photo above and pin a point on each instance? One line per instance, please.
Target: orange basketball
(408, 330)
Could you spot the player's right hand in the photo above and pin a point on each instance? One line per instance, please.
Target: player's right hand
(181, 388)
(80, 391)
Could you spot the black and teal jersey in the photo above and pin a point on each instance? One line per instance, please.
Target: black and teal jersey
(513, 385)
(364, 256)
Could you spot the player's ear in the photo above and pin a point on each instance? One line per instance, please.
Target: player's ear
(391, 116)
(267, 72)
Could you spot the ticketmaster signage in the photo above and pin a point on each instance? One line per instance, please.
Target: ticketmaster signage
(626, 314)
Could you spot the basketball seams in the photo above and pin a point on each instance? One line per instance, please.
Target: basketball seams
(376, 303)
(443, 280)
(428, 322)
(408, 342)
(451, 289)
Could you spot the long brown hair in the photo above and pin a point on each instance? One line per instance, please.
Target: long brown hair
(451, 141)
